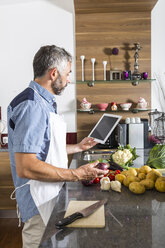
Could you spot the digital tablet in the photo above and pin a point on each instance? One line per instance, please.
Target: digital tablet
(104, 127)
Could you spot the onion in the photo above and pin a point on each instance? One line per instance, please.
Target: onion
(102, 166)
(87, 183)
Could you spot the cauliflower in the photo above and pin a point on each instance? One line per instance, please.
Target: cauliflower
(124, 156)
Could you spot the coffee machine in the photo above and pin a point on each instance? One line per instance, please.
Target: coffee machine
(135, 134)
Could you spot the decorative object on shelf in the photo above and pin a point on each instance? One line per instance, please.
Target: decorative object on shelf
(145, 75)
(82, 57)
(125, 75)
(85, 105)
(93, 68)
(142, 104)
(125, 106)
(129, 75)
(115, 75)
(102, 106)
(136, 76)
(113, 106)
(104, 64)
(115, 52)
(133, 120)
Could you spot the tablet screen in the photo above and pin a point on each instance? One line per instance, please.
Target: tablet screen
(104, 127)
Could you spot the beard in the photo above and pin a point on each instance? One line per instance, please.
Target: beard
(56, 86)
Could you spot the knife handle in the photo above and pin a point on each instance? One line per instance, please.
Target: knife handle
(68, 220)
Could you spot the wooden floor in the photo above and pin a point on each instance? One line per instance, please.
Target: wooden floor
(10, 233)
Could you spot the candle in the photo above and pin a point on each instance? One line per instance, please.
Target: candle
(145, 75)
(82, 57)
(104, 63)
(93, 68)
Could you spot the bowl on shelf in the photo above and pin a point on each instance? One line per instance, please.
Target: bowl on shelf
(102, 106)
(126, 105)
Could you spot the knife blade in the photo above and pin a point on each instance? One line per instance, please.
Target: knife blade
(80, 214)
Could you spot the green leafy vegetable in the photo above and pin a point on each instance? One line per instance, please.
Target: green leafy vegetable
(156, 157)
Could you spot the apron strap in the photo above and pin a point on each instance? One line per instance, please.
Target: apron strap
(11, 196)
(17, 208)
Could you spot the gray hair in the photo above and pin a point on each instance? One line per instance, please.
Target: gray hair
(49, 57)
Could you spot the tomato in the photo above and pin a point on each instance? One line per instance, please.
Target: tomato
(112, 177)
(96, 180)
(117, 172)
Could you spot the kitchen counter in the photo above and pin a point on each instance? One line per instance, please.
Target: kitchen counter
(132, 221)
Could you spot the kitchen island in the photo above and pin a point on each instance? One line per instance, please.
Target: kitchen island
(131, 221)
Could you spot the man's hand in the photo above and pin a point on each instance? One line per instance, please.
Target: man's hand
(89, 171)
(86, 144)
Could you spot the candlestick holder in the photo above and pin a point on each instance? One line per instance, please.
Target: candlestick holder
(104, 64)
(82, 57)
(136, 74)
(93, 68)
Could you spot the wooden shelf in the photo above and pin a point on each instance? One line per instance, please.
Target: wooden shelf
(91, 83)
(92, 111)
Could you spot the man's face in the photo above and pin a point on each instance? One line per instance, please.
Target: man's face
(62, 80)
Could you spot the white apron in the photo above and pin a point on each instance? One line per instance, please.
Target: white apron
(44, 193)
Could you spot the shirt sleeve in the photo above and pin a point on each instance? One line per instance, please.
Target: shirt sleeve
(31, 122)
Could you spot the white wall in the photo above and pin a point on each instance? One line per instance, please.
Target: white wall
(158, 55)
(25, 25)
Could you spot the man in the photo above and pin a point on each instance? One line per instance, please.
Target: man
(37, 143)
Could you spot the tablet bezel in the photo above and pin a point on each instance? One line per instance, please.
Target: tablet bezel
(111, 130)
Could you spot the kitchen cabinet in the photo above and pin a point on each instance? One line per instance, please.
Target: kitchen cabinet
(6, 183)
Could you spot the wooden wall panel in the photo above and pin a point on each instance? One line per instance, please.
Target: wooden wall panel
(114, 92)
(104, 6)
(101, 26)
(109, 92)
(97, 34)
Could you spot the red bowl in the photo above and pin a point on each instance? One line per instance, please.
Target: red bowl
(102, 106)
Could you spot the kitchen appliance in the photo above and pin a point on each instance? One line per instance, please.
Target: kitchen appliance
(152, 116)
(80, 213)
(160, 128)
(135, 134)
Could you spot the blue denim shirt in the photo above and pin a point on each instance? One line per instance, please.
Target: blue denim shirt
(29, 132)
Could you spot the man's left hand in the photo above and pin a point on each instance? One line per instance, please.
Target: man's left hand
(86, 143)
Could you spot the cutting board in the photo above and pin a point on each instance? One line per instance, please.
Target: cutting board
(95, 220)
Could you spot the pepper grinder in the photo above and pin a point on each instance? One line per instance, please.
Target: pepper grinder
(93, 68)
(104, 63)
(82, 57)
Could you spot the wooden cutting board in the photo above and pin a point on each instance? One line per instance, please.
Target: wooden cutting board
(95, 220)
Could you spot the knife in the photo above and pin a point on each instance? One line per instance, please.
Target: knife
(77, 215)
